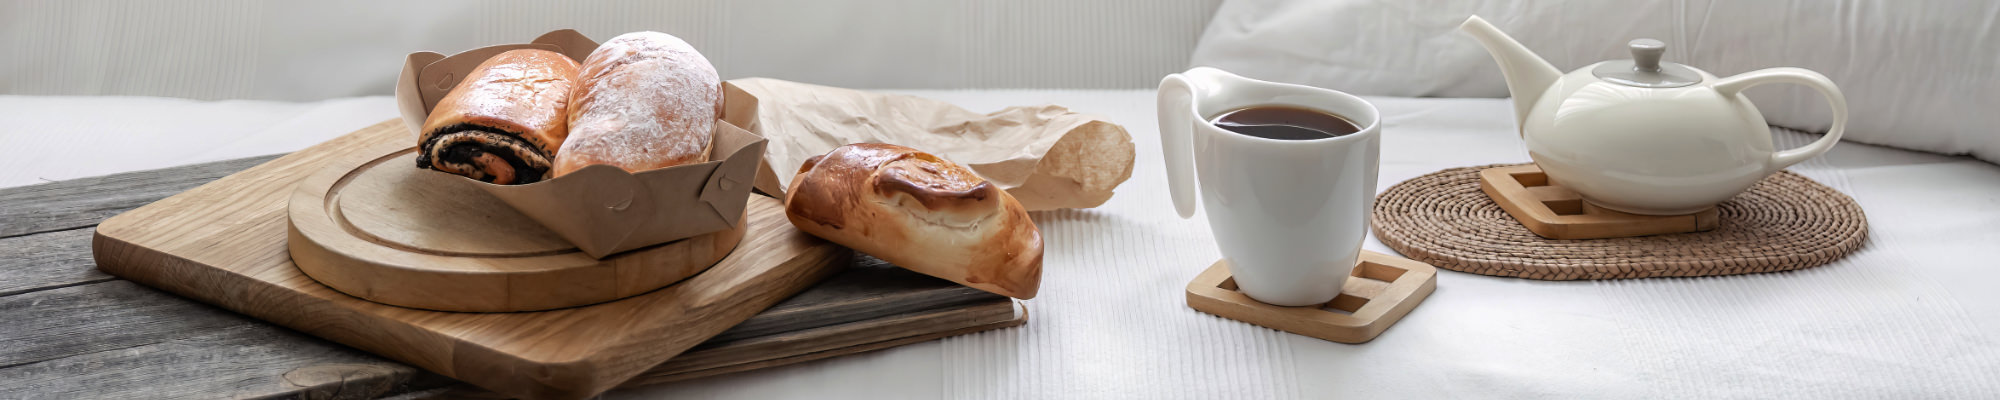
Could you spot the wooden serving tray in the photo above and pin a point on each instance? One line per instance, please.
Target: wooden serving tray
(1557, 212)
(224, 243)
(1382, 289)
(383, 231)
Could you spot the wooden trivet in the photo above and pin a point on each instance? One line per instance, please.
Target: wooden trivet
(1381, 291)
(1557, 212)
(1785, 222)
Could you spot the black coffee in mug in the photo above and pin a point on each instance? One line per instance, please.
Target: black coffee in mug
(1285, 123)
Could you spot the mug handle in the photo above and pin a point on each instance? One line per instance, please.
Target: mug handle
(1177, 113)
(1733, 85)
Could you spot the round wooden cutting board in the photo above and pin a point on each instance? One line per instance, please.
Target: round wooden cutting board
(388, 232)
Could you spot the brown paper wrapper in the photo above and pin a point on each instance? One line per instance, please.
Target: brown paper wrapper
(1047, 156)
(602, 209)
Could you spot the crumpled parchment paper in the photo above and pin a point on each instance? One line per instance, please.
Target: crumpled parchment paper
(1046, 156)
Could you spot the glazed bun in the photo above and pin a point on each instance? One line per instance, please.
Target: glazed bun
(921, 212)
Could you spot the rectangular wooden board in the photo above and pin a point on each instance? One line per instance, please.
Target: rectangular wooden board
(185, 350)
(224, 243)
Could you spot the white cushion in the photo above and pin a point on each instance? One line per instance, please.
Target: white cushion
(312, 50)
(1922, 76)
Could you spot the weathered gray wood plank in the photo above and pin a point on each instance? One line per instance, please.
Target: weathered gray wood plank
(46, 261)
(78, 203)
(75, 320)
(243, 361)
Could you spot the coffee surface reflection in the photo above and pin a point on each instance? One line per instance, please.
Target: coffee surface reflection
(1285, 123)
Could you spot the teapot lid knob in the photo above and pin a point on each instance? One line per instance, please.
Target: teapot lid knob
(1646, 54)
(1645, 68)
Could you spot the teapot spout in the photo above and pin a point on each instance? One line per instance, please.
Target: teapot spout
(1528, 75)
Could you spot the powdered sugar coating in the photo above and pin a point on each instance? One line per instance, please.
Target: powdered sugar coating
(647, 100)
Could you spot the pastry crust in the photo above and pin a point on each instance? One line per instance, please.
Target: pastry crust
(504, 123)
(647, 100)
(918, 211)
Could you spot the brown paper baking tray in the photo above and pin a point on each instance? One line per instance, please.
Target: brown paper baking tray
(601, 209)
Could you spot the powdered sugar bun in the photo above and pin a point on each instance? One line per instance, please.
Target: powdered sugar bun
(646, 100)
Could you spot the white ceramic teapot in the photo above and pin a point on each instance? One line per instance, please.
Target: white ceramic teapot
(1644, 136)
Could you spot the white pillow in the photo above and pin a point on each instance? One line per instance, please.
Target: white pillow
(1917, 75)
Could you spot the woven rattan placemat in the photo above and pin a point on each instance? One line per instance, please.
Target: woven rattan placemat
(1784, 223)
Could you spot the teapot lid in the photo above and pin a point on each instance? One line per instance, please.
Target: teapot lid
(1645, 68)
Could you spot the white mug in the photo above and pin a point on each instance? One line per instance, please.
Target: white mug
(1288, 215)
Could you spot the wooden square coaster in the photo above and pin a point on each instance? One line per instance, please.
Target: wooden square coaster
(1557, 212)
(1382, 290)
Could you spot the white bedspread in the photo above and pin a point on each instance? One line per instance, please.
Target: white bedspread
(1912, 314)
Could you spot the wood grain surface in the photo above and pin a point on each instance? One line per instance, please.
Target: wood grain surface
(46, 261)
(833, 341)
(97, 337)
(83, 202)
(1556, 212)
(167, 347)
(224, 243)
(868, 288)
(1382, 289)
(85, 334)
(95, 318)
(249, 360)
(716, 357)
(375, 228)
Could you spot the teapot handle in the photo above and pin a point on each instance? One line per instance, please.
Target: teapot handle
(1733, 85)
(1177, 114)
